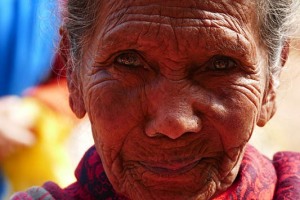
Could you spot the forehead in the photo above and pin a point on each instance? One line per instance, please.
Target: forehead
(234, 7)
(193, 23)
(176, 12)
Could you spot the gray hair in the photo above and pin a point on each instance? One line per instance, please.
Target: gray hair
(277, 21)
(278, 24)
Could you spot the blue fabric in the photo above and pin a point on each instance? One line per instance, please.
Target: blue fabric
(27, 37)
(3, 186)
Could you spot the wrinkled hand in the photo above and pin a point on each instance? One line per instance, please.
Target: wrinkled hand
(15, 125)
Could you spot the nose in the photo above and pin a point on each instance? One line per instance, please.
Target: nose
(173, 123)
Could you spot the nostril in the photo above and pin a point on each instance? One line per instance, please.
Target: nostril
(158, 135)
(172, 126)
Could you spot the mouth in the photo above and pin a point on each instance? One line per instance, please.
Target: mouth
(170, 168)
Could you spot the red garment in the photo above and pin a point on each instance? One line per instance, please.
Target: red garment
(258, 178)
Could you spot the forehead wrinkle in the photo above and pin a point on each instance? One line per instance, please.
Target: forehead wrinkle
(163, 14)
(207, 19)
(152, 16)
(230, 43)
(181, 9)
(206, 12)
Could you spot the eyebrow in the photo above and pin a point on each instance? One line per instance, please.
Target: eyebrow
(235, 45)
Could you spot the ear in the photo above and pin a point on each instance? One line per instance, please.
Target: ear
(75, 94)
(268, 107)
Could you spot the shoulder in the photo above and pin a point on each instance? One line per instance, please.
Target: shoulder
(287, 165)
(33, 193)
(49, 191)
(287, 156)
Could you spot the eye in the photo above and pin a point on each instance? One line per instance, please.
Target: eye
(130, 59)
(221, 63)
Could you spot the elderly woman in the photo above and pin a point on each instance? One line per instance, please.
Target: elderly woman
(173, 90)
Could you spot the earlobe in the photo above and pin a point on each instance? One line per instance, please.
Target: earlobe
(268, 107)
(75, 95)
(76, 101)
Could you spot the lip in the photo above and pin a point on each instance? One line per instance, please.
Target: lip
(170, 168)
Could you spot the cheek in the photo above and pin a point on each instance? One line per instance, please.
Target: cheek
(113, 112)
(242, 102)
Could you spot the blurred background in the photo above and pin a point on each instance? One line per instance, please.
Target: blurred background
(41, 139)
(35, 119)
(27, 38)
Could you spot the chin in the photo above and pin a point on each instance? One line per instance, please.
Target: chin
(169, 194)
(199, 183)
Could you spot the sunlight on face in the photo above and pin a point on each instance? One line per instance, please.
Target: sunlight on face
(173, 95)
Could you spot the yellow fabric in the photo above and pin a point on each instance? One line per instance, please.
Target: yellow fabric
(47, 159)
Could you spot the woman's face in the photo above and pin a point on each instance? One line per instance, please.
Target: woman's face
(173, 90)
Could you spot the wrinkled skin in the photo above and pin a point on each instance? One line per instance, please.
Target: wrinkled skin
(173, 90)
